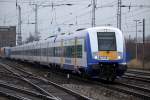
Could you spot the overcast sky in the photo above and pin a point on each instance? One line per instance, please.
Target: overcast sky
(70, 18)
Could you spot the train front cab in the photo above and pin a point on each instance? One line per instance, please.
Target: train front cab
(107, 58)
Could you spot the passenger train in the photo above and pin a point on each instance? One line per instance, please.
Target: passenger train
(96, 52)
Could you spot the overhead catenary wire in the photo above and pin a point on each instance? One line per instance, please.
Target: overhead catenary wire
(81, 17)
(84, 13)
(68, 20)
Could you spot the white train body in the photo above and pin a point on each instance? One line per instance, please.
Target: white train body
(85, 50)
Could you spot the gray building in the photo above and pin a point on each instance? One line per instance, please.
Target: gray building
(7, 36)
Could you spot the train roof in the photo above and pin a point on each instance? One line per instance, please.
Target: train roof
(78, 34)
(83, 33)
(102, 27)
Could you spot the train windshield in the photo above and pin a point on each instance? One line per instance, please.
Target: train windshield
(106, 41)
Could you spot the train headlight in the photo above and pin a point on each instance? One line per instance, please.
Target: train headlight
(96, 57)
(120, 55)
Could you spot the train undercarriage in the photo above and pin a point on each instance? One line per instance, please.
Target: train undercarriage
(107, 71)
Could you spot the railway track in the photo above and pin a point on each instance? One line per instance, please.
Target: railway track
(9, 96)
(139, 72)
(120, 86)
(50, 89)
(137, 75)
(127, 88)
(21, 93)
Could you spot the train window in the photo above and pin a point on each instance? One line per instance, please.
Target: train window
(59, 51)
(52, 52)
(35, 53)
(72, 51)
(44, 52)
(85, 44)
(55, 50)
(79, 51)
(40, 52)
(31, 51)
(49, 51)
(69, 51)
(65, 51)
(106, 41)
(28, 52)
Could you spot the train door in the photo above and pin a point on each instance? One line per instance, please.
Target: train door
(40, 50)
(47, 43)
(48, 52)
(75, 52)
(62, 54)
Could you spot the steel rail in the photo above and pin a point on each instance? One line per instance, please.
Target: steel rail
(130, 92)
(12, 97)
(117, 88)
(82, 97)
(32, 93)
(26, 80)
(138, 72)
(138, 78)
